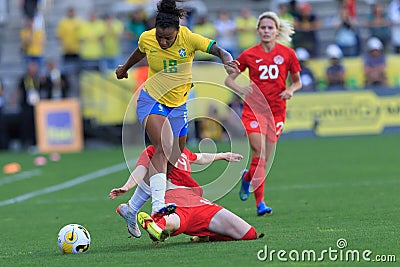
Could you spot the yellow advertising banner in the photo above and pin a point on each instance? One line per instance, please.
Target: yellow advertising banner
(342, 113)
(59, 125)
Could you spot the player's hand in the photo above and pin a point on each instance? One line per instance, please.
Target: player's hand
(121, 73)
(232, 67)
(116, 192)
(287, 94)
(232, 157)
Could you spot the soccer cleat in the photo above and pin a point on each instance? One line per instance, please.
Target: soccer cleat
(263, 209)
(245, 187)
(148, 224)
(166, 210)
(133, 228)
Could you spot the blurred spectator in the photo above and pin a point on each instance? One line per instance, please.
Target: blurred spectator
(195, 9)
(206, 29)
(29, 8)
(91, 35)
(134, 28)
(306, 74)
(55, 84)
(33, 42)
(375, 64)
(210, 126)
(226, 27)
(306, 25)
(347, 36)
(68, 33)
(283, 13)
(335, 72)
(351, 6)
(292, 8)
(234, 115)
(3, 124)
(379, 25)
(29, 95)
(114, 29)
(245, 30)
(394, 17)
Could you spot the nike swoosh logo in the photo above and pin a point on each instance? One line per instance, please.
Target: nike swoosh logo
(259, 60)
(72, 235)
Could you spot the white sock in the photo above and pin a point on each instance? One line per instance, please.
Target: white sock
(145, 187)
(158, 185)
(138, 199)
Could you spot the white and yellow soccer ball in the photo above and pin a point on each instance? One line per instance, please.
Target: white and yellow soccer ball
(73, 238)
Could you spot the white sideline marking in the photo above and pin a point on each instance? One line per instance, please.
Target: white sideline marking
(73, 182)
(20, 176)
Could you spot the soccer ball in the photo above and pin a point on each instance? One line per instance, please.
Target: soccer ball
(73, 238)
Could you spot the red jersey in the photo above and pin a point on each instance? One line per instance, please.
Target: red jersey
(180, 174)
(269, 71)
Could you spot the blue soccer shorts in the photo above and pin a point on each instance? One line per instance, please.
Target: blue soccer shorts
(177, 116)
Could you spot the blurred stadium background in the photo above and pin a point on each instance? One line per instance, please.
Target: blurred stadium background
(103, 100)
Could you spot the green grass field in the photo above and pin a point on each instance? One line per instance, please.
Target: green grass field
(321, 190)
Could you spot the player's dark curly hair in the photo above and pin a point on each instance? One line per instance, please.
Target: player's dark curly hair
(168, 14)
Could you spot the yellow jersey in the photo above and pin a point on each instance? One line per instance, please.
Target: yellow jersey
(170, 70)
(68, 33)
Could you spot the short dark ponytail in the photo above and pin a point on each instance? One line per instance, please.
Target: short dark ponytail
(169, 14)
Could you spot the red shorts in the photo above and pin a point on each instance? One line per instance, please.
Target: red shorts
(271, 127)
(195, 212)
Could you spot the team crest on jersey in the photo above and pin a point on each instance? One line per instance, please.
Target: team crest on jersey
(253, 124)
(182, 52)
(278, 60)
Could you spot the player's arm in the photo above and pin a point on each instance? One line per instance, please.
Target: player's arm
(134, 179)
(226, 58)
(135, 57)
(206, 158)
(295, 86)
(231, 83)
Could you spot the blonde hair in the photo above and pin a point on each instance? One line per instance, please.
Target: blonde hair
(284, 27)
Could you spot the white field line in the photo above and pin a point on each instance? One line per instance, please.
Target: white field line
(20, 176)
(68, 184)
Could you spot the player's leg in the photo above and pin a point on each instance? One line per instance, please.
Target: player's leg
(129, 211)
(160, 134)
(256, 173)
(171, 222)
(179, 125)
(259, 183)
(153, 117)
(227, 224)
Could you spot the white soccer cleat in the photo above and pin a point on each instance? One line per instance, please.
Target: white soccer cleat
(130, 218)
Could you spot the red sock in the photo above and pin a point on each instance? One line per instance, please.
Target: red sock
(161, 222)
(257, 172)
(256, 169)
(259, 191)
(250, 235)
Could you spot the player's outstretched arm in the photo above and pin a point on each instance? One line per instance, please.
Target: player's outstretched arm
(206, 158)
(231, 83)
(226, 58)
(134, 179)
(122, 70)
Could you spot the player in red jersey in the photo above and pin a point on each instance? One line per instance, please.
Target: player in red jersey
(194, 214)
(269, 64)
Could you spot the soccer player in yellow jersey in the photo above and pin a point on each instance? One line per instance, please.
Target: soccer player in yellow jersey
(161, 106)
